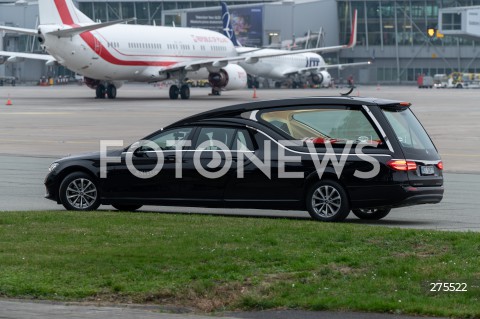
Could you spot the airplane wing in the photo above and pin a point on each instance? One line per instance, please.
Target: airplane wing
(195, 65)
(33, 56)
(259, 55)
(345, 65)
(65, 33)
(324, 67)
(254, 55)
(19, 30)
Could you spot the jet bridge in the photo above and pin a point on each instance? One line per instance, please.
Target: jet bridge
(460, 21)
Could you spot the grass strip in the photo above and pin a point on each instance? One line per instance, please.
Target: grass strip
(216, 263)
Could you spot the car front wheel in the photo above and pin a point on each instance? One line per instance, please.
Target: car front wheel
(78, 191)
(327, 201)
(371, 213)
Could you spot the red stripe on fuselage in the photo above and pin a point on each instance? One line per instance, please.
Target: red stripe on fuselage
(98, 48)
(95, 44)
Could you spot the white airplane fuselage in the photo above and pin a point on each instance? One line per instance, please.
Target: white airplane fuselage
(135, 52)
(108, 53)
(277, 67)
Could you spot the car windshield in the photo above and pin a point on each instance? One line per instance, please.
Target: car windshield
(342, 124)
(410, 133)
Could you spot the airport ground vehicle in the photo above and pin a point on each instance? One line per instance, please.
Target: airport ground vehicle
(461, 80)
(440, 81)
(424, 82)
(8, 79)
(267, 154)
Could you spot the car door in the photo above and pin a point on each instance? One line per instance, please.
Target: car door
(254, 179)
(148, 169)
(206, 166)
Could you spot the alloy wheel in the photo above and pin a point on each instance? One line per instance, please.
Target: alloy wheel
(81, 193)
(326, 201)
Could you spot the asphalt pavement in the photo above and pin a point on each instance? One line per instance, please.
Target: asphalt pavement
(45, 123)
(17, 309)
(21, 189)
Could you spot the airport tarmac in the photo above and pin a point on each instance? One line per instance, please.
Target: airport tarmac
(45, 123)
(61, 120)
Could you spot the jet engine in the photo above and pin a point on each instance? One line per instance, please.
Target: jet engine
(230, 77)
(323, 77)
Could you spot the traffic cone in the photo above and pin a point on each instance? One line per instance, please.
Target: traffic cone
(254, 93)
(9, 101)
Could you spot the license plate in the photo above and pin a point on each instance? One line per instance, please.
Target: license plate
(427, 170)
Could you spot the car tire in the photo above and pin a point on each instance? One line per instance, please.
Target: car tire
(371, 213)
(126, 208)
(327, 201)
(78, 191)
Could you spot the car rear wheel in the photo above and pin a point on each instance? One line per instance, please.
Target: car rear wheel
(327, 201)
(371, 213)
(78, 191)
(126, 208)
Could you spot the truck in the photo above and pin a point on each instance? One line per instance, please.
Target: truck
(424, 81)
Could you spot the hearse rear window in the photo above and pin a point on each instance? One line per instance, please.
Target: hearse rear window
(340, 124)
(410, 133)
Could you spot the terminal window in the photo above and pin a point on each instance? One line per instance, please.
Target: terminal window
(451, 21)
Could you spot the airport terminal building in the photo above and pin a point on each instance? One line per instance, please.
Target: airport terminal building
(396, 35)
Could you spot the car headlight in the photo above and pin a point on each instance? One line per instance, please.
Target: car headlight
(53, 166)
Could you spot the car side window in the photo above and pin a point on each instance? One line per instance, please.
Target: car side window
(243, 141)
(212, 138)
(170, 139)
(335, 123)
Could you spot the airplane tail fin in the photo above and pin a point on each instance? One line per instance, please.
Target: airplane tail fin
(227, 25)
(62, 12)
(353, 35)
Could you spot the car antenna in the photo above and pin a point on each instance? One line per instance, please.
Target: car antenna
(348, 93)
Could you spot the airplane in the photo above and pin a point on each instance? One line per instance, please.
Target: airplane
(294, 67)
(109, 53)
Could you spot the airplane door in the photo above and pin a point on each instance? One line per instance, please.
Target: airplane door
(97, 48)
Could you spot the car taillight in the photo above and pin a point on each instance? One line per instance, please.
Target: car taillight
(440, 165)
(402, 165)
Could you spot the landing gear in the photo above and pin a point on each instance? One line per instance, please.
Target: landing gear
(100, 91)
(111, 91)
(185, 92)
(252, 82)
(215, 91)
(173, 92)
